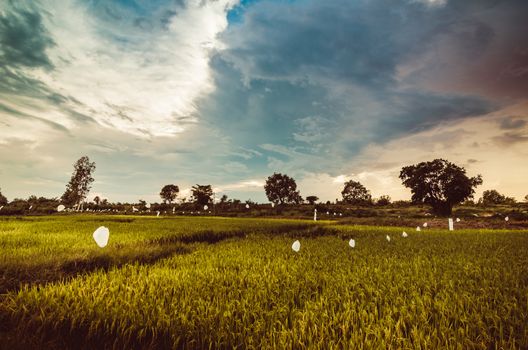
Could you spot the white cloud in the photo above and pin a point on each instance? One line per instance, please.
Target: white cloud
(432, 3)
(251, 185)
(280, 149)
(311, 129)
(144, 85)
(246, 153)
(340, 179)
(235, 168)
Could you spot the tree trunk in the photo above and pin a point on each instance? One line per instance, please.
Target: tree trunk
(442, 208)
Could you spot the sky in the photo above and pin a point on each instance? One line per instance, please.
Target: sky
(227, 92)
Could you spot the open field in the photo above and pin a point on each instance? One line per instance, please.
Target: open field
(225, 283)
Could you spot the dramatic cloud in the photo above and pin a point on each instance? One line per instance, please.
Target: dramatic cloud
(131, 68)
(23, 39)
(329, 73)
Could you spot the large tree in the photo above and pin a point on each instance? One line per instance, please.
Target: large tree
(202, 194)
(80, 182)
(3, 199)
(355, 193)
(169, 192)
(439, 183)
(282, 189)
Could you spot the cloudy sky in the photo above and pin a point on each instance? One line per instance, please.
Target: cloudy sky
(226, 92)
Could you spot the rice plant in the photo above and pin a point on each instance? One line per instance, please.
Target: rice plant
(435, 289)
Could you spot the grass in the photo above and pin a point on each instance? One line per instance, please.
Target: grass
(236, 283)
(44, 249)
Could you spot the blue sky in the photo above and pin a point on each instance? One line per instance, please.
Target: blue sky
(226, 93)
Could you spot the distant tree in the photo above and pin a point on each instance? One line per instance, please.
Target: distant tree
(3, 199)
(525, 198)
(80, 183)
(250, 203)
(384, 200)
(355, 193)
(223, 202)
(97, 200)
(142, 203)
(282, 189)
(312, 199)
(169, 193)
(468, 202)
(492, 197)
(202, 194)
(510, 200)
(439, 183)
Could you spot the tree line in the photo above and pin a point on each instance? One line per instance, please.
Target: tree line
(437, 183)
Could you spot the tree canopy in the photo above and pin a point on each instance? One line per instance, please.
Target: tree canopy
(169, 193)
(355, 193)
(282, 189)
(202, 194)
(439, 183)
(80, 182)
(491, 197)
(312, 199)
(384, 200)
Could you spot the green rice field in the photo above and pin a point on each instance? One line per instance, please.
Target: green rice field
(226, 283)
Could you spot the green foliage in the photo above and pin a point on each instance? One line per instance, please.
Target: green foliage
(384, 200)
(80, 182)
(39, 206)
(36, 247)
(355, 193)
(493, 197)
(202, 194)
(312, 199)
(282, 189)
(439, 183)
(435, 289)
(169, 192)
